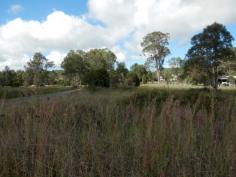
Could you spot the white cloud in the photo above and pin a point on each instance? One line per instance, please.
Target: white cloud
(56, 57)
(15, 9)
(58, 32)
(124, 23)
(180, 18)
(120, 54)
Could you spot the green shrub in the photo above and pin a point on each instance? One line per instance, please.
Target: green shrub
(132, 79)
(97, 78)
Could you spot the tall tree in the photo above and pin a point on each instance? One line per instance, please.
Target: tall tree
(101, 59)
(140, 70)
(37, 69)
(75, 66)
(155, 47)
(213, 45)
(122, 72)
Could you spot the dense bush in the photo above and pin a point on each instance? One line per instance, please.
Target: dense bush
(132, 79)
(97, 78)
(10, 92)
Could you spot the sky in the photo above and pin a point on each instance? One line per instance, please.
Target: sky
(53, 27)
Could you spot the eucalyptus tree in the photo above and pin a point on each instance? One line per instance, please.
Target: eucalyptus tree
(155, 47)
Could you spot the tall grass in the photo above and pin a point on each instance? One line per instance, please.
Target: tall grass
(14, 92)
(146, 133)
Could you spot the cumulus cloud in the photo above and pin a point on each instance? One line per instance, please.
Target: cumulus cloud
(56, 57)
(15, 9)
(180, 18)
(121, 27)
(58, 33)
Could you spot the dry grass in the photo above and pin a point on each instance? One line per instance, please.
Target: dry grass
(146, 133)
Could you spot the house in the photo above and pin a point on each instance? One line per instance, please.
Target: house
(227, 80)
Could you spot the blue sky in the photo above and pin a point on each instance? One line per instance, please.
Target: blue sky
(54, 27)
(39, 9)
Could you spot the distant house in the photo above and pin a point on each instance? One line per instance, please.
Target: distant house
(225, 80)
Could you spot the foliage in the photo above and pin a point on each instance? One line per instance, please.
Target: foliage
(167, 75)
(92, 68)
(132, 79)
(101, 59)
(97, 78)
(16, 92)
(155, 47)
(196, 70)
(151, 76)
(140, 70)
(144, 79)
(10, 77)
(75, 67)
(37, 70)
(228, 67)
(213, 45)
(122, 72)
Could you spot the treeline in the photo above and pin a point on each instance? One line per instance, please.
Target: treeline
(99, 67)
(36, 73)
(95, 68)
(210, 56)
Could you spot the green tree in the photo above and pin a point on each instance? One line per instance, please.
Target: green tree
(97, 78)
(37, 70)
(75, 67)
(8, 77)
(140, 70)
(196, 71)
(121, 72)
(19, 81)
(101, 59)
(228, 67)
(213, 46)
(167, 75)
(132, 79)
(155, 47)
(151, 76)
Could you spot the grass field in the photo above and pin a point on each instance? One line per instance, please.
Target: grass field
(144, 132)
(14, 92)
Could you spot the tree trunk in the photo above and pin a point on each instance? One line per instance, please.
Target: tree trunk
(215, 82)
(158, 70)
(158, 75)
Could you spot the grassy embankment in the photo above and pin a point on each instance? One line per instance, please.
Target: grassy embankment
(137, 133)
(14, 92)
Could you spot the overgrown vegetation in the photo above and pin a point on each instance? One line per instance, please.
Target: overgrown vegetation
(11, 92)
(141, 132)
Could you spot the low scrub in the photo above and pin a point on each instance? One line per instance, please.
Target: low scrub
(139, 133)
(14, 92)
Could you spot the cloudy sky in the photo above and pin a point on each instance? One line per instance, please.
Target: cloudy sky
(53, 27)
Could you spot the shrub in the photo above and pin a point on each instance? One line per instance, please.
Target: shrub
(97, 78)
(132, 80)
(144, 79)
